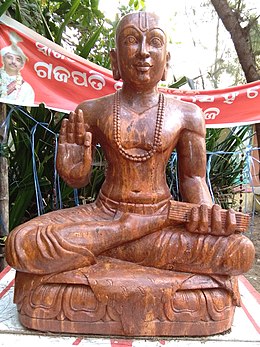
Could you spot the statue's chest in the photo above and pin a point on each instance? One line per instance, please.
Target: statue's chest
(138, 130)
(132, 130)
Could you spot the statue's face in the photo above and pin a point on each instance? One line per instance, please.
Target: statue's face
(141, 49)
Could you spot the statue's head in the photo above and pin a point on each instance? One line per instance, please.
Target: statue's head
(141, 55)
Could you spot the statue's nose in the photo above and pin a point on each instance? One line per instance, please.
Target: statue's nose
(144, 52)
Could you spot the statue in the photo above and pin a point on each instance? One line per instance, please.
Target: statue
(134, 262)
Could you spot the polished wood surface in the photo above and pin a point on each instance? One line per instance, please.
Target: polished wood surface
(133, 262)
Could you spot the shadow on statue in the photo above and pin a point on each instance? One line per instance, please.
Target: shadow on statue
(134, 262)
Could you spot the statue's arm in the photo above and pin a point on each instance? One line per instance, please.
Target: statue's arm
(191, 150)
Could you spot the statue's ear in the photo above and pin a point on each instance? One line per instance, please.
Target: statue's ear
(168, 58)
(115, 70)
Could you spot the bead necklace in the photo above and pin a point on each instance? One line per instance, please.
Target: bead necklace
(157, 132)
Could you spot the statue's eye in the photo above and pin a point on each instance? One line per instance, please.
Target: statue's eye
(156, 42)
(130, 40)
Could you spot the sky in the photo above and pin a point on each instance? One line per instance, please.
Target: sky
(192, 36)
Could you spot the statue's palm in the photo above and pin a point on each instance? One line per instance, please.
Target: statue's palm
(74, 152)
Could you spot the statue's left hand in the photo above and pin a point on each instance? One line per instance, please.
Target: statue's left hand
(203, 223)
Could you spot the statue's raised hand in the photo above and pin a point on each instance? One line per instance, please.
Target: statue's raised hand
(74, 155)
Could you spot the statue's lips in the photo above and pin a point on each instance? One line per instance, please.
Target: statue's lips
(143, 67)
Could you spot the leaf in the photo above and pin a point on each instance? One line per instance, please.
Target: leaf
(5, 6)
(18, 15)
(94, 4)
(91, 42)
(226, 168)
(179, 83)
(47, 29)
(74, 6)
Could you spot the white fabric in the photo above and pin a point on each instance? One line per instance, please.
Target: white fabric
(24, 96)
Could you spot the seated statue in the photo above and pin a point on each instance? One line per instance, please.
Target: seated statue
(123, 265)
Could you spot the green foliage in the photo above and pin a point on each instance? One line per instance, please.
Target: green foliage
(21, 180)
(4, 7)
(227, 164)
(22, 192)
(181, 82)
(29, 13)
(137, 4)
(75, 24)
(74, 5)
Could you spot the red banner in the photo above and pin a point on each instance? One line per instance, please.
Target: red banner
(35, 70)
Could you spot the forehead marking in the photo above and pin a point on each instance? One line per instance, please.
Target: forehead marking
(143, 21)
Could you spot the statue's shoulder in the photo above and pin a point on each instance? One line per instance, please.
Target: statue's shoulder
(192, 117)
(98, 108)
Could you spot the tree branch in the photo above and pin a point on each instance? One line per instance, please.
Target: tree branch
(240, 38)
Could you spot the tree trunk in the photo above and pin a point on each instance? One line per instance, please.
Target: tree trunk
(4, 190)
(241, 39)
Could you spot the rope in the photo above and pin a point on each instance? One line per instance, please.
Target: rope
(39, 199)
(56, 176)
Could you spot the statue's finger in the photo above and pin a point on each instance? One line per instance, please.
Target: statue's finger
(88, 139)
(193, 223)
(204, 218)
(63, 131)
(88, 149)
(216, 221)
(79, 128)
(71, 128)
(79, 116)
(231, 223)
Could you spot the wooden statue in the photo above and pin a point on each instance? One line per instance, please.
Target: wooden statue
(134, 262)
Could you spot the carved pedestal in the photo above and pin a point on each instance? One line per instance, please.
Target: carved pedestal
(120, 298)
